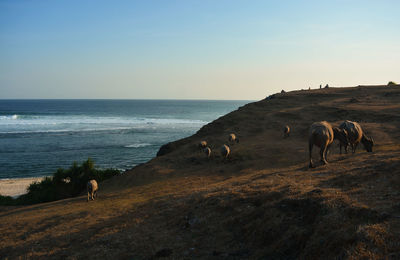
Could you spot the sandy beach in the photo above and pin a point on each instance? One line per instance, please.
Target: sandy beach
(16, 187)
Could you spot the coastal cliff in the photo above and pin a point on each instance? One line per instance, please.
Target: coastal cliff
(261, 202)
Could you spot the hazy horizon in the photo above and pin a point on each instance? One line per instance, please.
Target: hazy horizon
(193, 50)
(131, 99)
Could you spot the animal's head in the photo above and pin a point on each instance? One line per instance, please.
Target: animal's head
(368, 143)
(341, 135)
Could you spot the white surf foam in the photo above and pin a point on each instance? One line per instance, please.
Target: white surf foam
(53, 124)
(138, 145)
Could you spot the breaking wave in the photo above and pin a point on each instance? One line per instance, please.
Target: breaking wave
(138, 145)
(57, 124)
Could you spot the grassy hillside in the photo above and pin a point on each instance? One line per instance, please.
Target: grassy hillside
(263, 202)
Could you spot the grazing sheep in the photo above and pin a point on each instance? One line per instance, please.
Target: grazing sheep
(207, 151)
(225, 151)
(203, 144)
(286, 131)
(356, 135)
(232, 138)
(92, 188)
(322, 135)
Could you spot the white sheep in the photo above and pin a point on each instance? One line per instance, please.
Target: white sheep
(92, 188)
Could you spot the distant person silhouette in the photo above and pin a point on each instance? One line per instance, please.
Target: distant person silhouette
(320, 86)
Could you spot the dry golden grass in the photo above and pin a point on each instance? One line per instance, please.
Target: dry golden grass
(263, 202)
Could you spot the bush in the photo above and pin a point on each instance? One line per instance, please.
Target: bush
(63, 184)
(6, 200)
(390, 83)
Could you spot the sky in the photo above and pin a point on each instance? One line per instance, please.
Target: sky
(189, 49)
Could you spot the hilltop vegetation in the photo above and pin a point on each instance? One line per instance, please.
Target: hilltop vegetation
(263, 202)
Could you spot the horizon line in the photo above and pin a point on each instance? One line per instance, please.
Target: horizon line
(128, 99)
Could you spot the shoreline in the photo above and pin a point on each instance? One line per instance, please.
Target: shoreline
(15, 187)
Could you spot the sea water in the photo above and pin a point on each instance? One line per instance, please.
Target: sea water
(39, 136)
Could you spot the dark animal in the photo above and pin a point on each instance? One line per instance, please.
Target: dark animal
(356, 135)
(286, 131)
(92, 188)
(322, 135)
(207, 151)
(225, 151)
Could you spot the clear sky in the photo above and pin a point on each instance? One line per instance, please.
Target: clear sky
(206, 49)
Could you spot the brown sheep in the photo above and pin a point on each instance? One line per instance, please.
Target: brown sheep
(225, 151)
(356, 135)
(322, 135)
(207, 151)
(286, 131)
(92, 188)
(233, 138)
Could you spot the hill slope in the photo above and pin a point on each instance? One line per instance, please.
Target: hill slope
(263, 202)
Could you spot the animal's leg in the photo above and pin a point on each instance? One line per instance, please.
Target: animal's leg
(95, 194)
(355, 147)
(322, 153)
(88, 196)
(327, 151)
(310, 147)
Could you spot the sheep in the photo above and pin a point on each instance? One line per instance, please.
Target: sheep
(232, 138)
(207, 151)
(286, 131)
(225, 151)
(322, 135)
(203, 144)
(356, 135)
(92, 188)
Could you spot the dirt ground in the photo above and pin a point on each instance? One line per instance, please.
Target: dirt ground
(263, 202)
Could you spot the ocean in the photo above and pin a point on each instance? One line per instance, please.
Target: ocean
(39, 136)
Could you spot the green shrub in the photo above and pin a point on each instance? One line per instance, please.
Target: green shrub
(64, 183)
(6, 200)
(390, 83)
